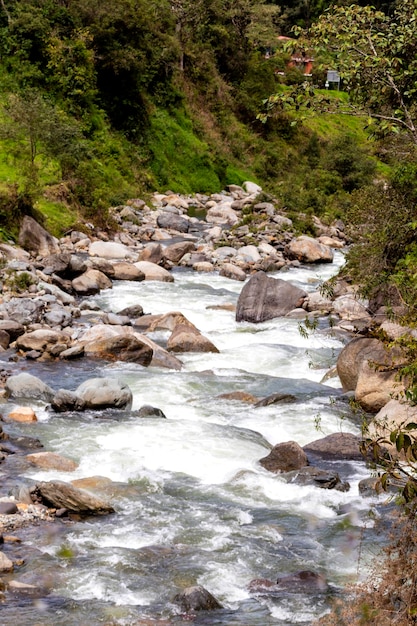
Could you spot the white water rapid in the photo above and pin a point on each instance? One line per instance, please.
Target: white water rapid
(194, 506)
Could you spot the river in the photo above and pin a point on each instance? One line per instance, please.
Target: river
(193, 504)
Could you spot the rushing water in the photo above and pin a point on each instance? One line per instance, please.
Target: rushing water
(193, 504)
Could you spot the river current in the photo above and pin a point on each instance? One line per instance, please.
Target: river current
(193, 504)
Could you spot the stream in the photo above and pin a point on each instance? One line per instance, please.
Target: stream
(193, 504)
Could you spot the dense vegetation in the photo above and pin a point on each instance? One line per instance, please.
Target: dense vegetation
(105, 101)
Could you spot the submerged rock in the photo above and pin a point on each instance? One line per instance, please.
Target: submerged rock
(197, 598)
(61, 495)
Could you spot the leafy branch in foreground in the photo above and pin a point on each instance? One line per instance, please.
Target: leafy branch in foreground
(375, 57)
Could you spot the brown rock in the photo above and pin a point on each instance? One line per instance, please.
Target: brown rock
(23, 414)
(197, 599)
(285, 457)
(59, 495)
(51, 460)
(336, 446)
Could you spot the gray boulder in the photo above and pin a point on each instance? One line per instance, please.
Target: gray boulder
(171, 221)
(263, 298)
(102, 393)
(28, 386)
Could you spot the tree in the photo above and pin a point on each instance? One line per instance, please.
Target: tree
(375, 56)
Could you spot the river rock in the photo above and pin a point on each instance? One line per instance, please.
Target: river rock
(222, 214)
(4, 339)
(395, 414)
(6, 565)
(336, 446)
(22, 414)
(12, 328)
(303, 582)
(101, 393)
(65, 400)
(248, 254)
(352, 356)
(110, 250)
(349, 308)
(196, 598)
(34, 238)
(154, 272)
(91, 282)
(8, 507)
(263, 298)
(51, 460)
(150, 411)
(228, 270)
(24, 311)
(172, 221)
(285, 457)
(176, 251)
(61, 495)
(325, 479)
(127, 271)
(375, 387)
(42, 340)
(152, 253)
(120, 348)
(57, 264)
(27, 386)
(308, 250)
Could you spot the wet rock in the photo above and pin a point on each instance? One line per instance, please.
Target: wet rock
(65, 400)
(101, 393)
(336, 446)
(239, 396)
(34, 238)
(58, 494)
(276, 398)
(22, 414)
(196, 598)
(285, 457)
(305, 581)
(352, 356)
(28, 386)
(132, 311)
(317, 477)
(392, 416)
(150, 411)
(185, 338)
(12, 328)
(51, 460)
(152, 253)
(126, 348)
(6, 565)
(264, 298)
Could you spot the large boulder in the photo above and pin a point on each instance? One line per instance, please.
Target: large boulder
(91, 282)
(377, 385)
(25, 311)
(102, 393)
(42, 339)
(285, 457)
(127, 271)
(176, 251)
(154, 272)
(185, 338)
(309, 250)
(34, 238)
(51, 460)
(172, 221)
(352, 356)
(120, 348)
(27, 386)
(336, 446)
(61, 495)
(263, 298)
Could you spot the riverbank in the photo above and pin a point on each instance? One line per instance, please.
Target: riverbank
(80, 313)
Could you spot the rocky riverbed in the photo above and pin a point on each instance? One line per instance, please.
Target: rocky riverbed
(48, 316)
